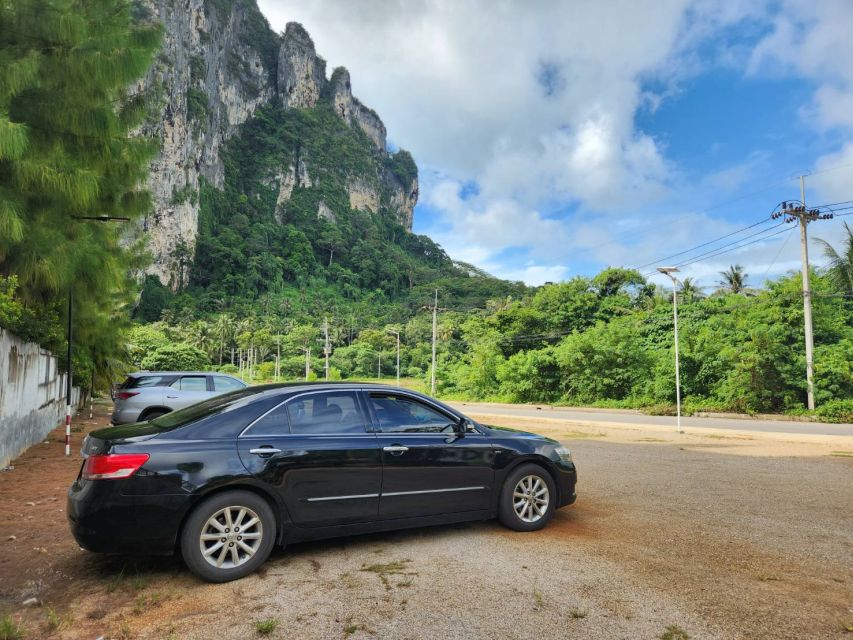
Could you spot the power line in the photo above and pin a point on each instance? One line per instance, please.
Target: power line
(704, 244)
(739, 244)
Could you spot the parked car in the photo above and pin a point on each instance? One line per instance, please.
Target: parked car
(225, 480)
(146, 395)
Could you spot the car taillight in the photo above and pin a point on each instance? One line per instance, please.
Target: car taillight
(115, 466)
(124, 395)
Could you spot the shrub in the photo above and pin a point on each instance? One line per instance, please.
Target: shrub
(836, 411)
(176, 357)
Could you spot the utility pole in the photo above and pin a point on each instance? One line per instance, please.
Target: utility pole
(807, 298)
(277, 356)
(397, 334)
(804, 216)
(68, 384)
(327, 349)
(379, 366)
(307, 351)
(434, 332)
(668, 271)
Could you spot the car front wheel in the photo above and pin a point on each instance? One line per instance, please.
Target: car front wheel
(527, 499)
(228, 536)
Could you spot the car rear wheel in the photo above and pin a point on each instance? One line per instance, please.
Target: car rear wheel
(228, 536)
(150, 415)
(527, 498)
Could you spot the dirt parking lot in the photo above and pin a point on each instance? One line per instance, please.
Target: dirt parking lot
(701, 536)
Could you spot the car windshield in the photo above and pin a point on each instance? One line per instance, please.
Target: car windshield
(193, 413)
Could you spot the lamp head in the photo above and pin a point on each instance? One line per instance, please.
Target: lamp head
(668, 270)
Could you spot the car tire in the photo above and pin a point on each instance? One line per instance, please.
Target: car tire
(528, 498)
(151, 415)
(214, 546)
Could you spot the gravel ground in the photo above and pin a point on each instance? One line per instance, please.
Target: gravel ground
(665, 536)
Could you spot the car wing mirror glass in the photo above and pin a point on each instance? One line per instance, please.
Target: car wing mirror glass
(460, 426)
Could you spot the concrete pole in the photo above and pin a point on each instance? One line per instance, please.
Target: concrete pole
(434, 332)
(677, 364)
(68, 384)
(326, 348)
(807, 299)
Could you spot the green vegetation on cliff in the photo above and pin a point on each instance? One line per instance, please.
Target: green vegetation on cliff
(312, 253)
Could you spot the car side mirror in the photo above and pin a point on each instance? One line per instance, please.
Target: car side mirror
(460, 427)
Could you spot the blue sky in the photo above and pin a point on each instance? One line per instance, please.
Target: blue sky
(556, 138)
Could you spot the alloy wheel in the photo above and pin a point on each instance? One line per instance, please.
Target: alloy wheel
(230, 537)
(530, 498)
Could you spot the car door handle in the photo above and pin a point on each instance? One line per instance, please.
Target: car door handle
(395, 450)
(264, 451)
(173, 397)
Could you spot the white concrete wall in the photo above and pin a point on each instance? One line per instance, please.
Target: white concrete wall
(32, 395)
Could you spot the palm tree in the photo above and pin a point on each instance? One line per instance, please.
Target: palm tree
(223, 329)
(841, 264)
(689, 291)
(734, 279)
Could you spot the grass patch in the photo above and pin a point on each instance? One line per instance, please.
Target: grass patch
(56, 622)
(10, 630)
(538, 599)
(125, 579)
(266, 627)
(144, 602)
(579, 435)
(577, 614)
(674, 632)
(769, 577)
(651, 440)
(351, 627)
(842, 454)
(394, 568)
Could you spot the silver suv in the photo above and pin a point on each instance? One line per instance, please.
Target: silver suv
(146, 395)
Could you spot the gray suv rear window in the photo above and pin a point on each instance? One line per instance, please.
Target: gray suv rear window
(147, 381)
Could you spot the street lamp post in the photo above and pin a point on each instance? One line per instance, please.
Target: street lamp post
(668, 271)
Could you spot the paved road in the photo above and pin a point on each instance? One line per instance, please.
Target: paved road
(598, 416)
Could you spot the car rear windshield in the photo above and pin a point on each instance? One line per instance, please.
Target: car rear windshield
(221, 416)
(136, 382)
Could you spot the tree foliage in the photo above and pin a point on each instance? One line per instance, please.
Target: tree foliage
(66, 152)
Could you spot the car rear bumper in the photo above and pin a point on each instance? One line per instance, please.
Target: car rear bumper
(125, 415)
(104, 520)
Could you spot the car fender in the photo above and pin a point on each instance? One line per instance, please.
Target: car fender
(247, 484)
(534, 458)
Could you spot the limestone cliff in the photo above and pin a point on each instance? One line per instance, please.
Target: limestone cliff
(219, 63)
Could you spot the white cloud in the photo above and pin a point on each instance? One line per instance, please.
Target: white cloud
(458, 84)
(812, 40)
(537, 104)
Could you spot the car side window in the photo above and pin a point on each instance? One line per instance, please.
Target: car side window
(147, 381)
(224, 383)
(326, 413)
(275, 423)
(399, 414)
(191, 383)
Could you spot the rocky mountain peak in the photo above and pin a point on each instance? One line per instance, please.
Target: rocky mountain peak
(301, 72)
(219, 63)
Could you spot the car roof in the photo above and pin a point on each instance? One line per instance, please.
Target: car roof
(143, 374)
(320, 385)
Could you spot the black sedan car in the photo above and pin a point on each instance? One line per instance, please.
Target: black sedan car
(224, 480)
